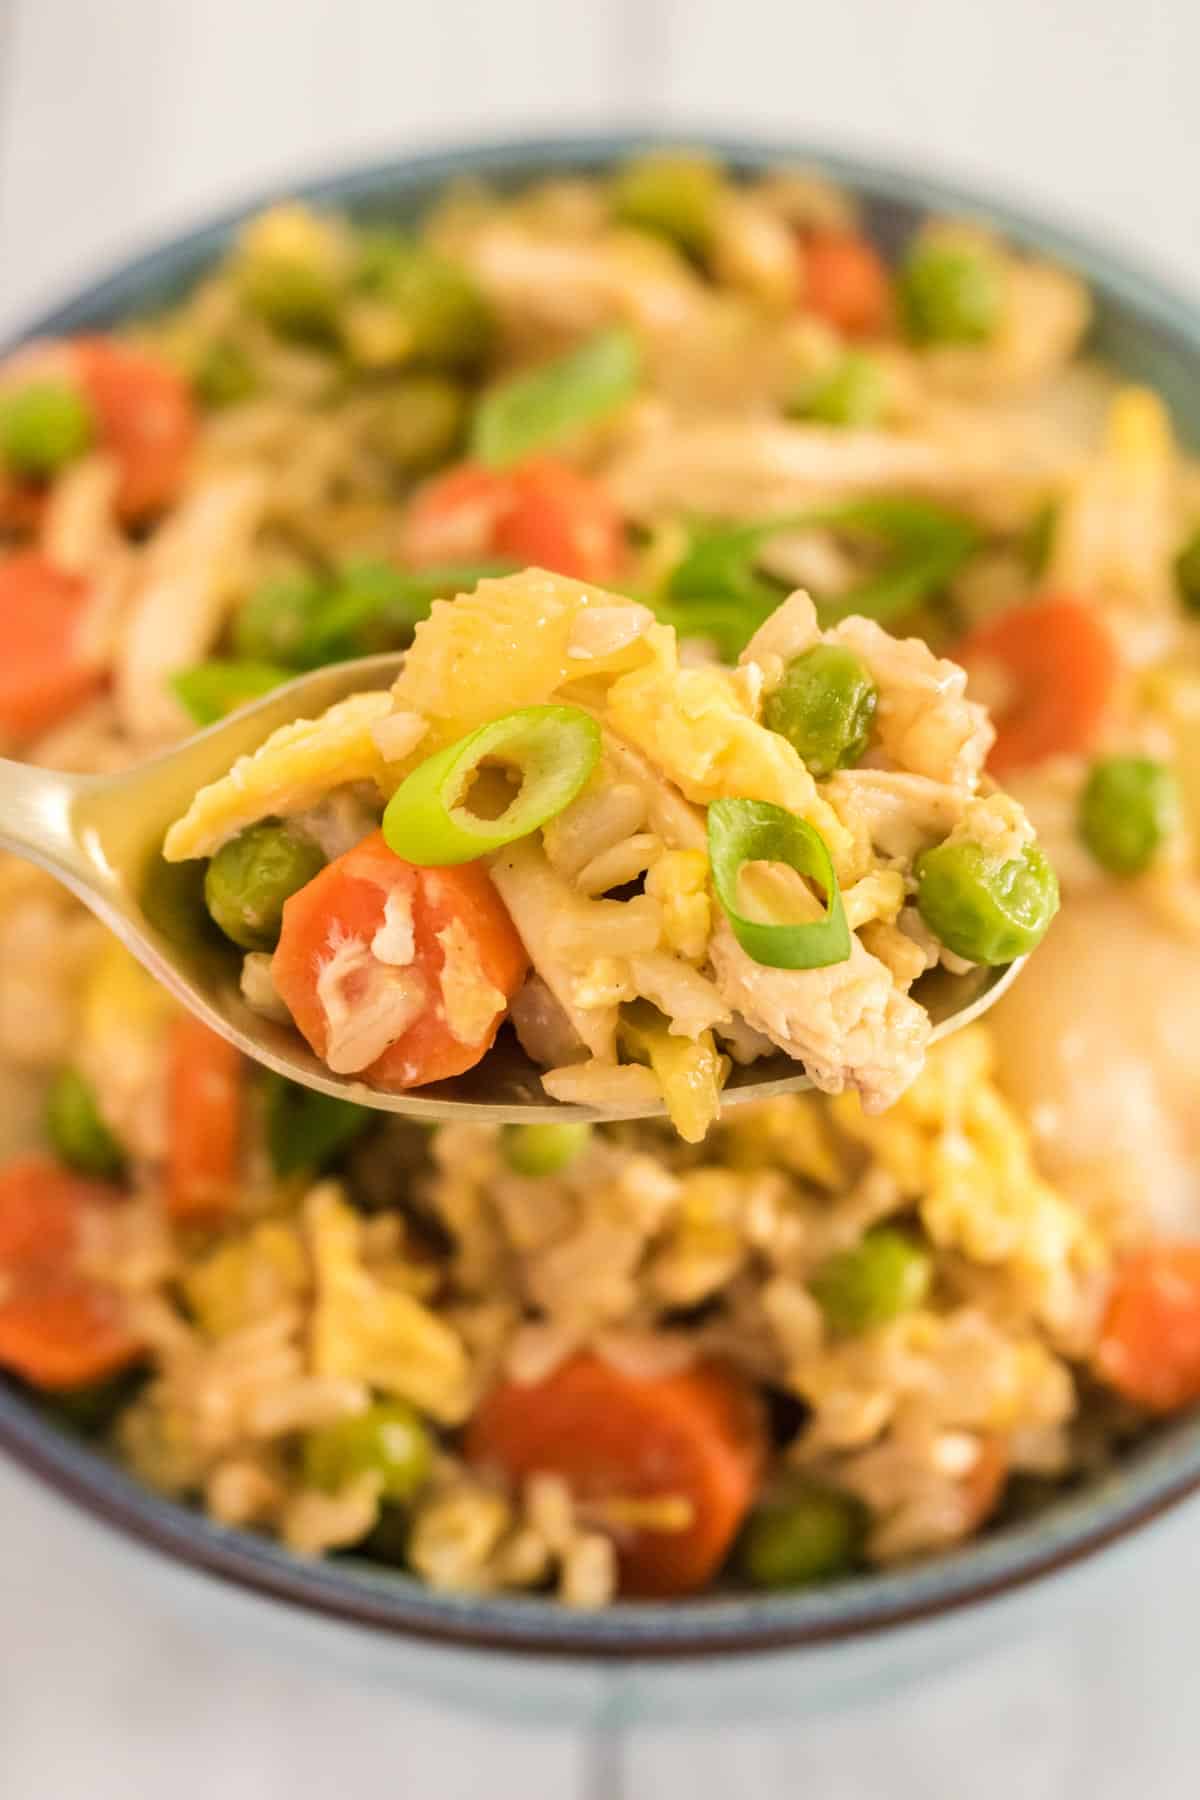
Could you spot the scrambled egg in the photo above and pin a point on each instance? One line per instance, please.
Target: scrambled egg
(697, 726)
(376, 1334)
(293, 770)
(515, 642)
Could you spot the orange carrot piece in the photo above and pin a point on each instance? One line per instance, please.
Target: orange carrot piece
(845, 280)
(145, 418)
(561, 520)
(346, 900)
(697, 1436)
(1063, 665)
(540, 513)
(1149, 1347)
(41, 1204)
(65, 1335)
(46, 670)
(453, 517)
(204, 1111)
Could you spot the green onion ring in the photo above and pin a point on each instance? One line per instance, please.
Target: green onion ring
(554, 747)
(748, 831)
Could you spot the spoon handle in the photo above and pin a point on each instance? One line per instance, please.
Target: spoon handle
(36, 819)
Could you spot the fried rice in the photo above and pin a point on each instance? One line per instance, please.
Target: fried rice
(245, 1329)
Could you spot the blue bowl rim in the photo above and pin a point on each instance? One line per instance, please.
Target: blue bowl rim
(1152, 1479)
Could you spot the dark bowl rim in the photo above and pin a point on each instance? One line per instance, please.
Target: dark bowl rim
(1156, 1477)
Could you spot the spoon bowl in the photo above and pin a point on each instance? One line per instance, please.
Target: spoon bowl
(101, 835)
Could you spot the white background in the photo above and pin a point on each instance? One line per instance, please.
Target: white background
(120, 119)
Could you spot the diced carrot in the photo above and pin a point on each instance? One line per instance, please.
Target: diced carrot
(22, 504)
(983, 1485)
(40, 1208)
(46, 669)
(454, 516)
(204, 1115)
(1149, 1347)
(1062, 664)
(345, 903)
(541, 512)
(562, 521)
(65, 1336)
(697, 1436)
(57, 1329)
(845, 280)
(145, 417)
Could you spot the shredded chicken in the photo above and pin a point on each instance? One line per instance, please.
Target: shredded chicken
(925, 722)
(848, 1024)
(755, 468)
(186, 586)
(898, 814)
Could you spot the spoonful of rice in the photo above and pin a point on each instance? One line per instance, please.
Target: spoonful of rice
(511, 878)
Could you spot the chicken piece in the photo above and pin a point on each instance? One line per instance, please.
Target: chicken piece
(925, 722)
(758, 468)
(181, 600)
(848, 1023)
(566, 287)
(897, 814)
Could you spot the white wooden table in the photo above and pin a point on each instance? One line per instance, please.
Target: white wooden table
(120, 119)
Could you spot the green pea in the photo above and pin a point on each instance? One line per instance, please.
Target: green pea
(543, 1149)
(981, 908)
(950, 294)
(809, 1536)
(1187, 573)
(853, 393)
(223, 374)
(444, 316)
(672, 195)
(824, 706)
(886, 1274)
(250, 878)
(297, 297)
(77, 1132)
(389, 1440)
(43, 427)
(1129, 807)
(417, 423)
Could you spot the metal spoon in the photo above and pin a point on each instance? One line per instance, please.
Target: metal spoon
(101, 834)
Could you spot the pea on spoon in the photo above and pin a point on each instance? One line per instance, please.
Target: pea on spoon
(101, 836)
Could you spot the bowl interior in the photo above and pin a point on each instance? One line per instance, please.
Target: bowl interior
(1152, 335)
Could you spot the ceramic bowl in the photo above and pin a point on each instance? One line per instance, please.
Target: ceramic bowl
(1151, 334)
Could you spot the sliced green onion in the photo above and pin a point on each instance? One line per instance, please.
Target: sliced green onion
(308, 1130)
(535, 411)
(925, 543)
(750, 831)
(554, 748)
(209, 690)
(716, 590)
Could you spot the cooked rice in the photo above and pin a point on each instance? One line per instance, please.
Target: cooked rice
(423, 1270)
